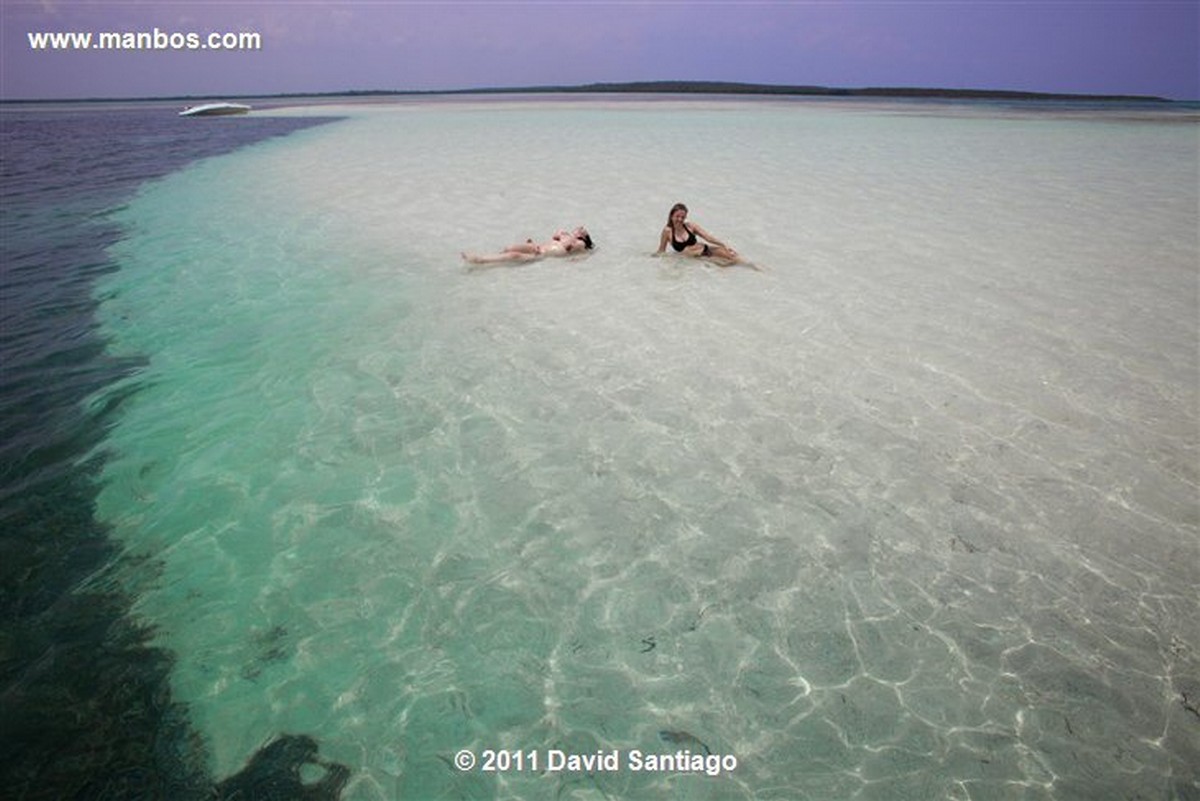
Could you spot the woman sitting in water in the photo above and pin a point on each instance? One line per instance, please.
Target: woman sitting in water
(685, 238)
(563, 243)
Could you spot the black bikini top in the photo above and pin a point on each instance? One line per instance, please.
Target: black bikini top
(681, 246)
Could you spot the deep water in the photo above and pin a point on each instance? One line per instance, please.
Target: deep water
(86, 711)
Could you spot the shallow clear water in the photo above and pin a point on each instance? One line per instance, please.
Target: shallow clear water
(909, 513)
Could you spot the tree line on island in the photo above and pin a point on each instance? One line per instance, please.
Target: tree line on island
(737, 88)
(681, 88)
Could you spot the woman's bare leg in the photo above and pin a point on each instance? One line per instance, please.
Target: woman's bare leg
(529, 247)
(496, 258)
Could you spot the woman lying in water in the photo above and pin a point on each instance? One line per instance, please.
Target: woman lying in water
(563, 243)
(685, 238)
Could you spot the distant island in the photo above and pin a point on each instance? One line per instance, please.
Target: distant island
(678, 88)
(735, 88)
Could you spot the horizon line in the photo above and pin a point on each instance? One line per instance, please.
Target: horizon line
(659, 87)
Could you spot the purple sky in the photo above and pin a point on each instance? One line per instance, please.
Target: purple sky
(1142, 47)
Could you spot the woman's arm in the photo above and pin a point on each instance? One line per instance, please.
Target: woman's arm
(701, 232)
(662, 241)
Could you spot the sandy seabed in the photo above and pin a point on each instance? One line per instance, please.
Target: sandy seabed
(910, 513)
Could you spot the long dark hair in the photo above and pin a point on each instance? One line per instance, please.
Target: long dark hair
(671, 213)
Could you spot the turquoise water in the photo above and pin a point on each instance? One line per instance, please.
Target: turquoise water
(86, 707)
(910, 513)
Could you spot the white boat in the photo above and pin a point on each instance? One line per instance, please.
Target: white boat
(214, 110)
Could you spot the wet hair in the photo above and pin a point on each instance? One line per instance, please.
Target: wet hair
(587, 242)
(675, 208)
